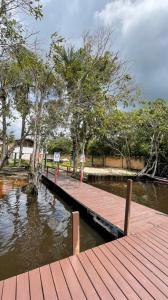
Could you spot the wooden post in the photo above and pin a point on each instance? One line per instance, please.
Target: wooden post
(75, 233)
(128, 207)
(55, 177)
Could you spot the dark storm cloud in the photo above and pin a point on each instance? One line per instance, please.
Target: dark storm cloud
(141, 30)
(140, 33)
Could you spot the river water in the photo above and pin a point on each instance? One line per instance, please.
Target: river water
(151, 194)
(34, 233)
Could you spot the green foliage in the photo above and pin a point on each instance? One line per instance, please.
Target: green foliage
(140, 132)
(62, 144)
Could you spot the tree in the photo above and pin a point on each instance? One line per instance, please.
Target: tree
(153, 121)
(11, 31)
(94, 82)
(62, 144)
(11, 40)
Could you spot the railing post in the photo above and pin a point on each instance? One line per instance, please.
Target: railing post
(128, 207)
(55, 177)
(75, 233)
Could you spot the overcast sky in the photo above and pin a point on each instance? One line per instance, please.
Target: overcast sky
(140, 34)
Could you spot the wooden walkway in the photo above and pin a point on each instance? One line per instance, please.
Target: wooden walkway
(134, 267)
(107, 206)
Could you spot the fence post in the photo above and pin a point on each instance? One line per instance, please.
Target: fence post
(75, 233)
(128, 207)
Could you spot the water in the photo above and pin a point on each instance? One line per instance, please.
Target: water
(34, 233)
(151, 194)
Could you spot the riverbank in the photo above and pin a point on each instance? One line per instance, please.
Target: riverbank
(109, 171)
(15, 172)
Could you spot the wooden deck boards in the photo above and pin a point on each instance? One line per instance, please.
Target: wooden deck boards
(128, 268)
(132, 267)
(109, 207)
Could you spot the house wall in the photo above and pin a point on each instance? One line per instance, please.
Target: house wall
(27, 151)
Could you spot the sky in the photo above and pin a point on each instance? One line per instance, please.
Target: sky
(140, 34)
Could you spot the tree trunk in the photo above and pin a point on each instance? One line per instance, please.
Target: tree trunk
(9, 151)
(37, 138)
(21, 137)
(75, 154)
(4, 125)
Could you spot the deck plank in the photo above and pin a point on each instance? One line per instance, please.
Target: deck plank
(9, 289)
(148, 247)
(116, 275)
(23, 287)
(96, 280)
(148, 264)
(60, 283)
(72, 281)
(47, 283)
(161, 292)
(36, 292)
(87, 286)
(107, 279)
(1, 288)
(138, 246)
(129, 277)
(146, 284)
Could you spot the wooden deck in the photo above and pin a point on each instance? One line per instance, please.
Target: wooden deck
(134, 267)
(109, 207)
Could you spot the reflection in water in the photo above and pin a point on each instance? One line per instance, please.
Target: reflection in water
(150, 194)
(34, 233)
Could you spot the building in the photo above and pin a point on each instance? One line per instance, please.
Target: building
(27, 150)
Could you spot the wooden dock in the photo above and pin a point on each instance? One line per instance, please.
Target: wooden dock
(132, 267)
(106, 206)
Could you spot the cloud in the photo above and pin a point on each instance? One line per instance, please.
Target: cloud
(140, 29)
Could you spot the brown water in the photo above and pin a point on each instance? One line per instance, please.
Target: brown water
(34, 233)
(154, 195)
